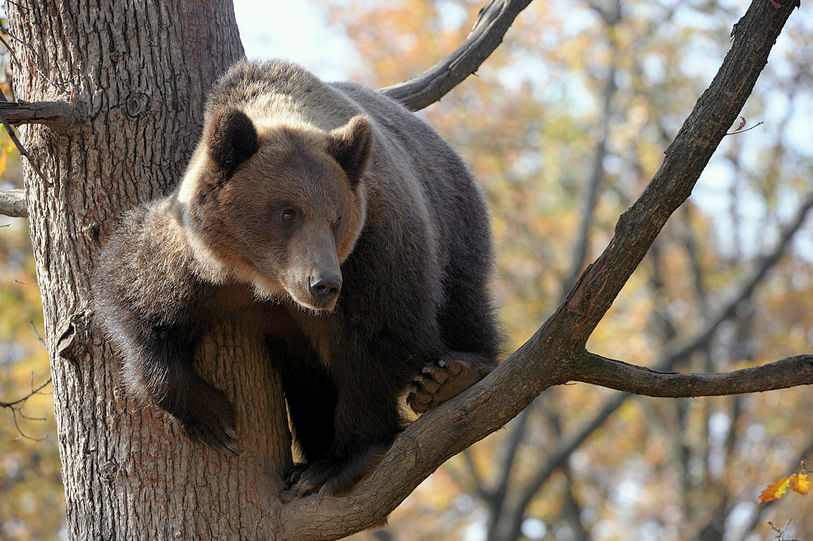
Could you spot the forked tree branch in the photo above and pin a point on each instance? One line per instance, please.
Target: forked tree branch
(544, 360)
(20, 401)
(492, 23)
(675, 354)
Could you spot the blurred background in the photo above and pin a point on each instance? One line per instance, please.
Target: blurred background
(563, 126)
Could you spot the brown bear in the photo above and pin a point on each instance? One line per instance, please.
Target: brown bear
(352, 232)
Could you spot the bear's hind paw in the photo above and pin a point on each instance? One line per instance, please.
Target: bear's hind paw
(442, 381)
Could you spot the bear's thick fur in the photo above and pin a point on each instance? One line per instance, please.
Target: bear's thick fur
(347, 227)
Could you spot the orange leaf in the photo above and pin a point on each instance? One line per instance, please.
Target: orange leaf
(742, 124)
(799, 483)
(774, 491)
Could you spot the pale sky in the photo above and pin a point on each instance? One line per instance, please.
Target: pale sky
(296, 31)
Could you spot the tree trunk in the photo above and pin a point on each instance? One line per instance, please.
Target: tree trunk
(137, 72)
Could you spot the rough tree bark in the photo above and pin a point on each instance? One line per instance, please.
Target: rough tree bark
(134, 76)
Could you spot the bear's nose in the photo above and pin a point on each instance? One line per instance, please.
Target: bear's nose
(324, 288)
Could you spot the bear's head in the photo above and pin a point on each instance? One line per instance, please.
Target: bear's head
(280, 207)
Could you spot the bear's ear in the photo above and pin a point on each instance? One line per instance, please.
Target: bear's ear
(232, 140)
(350, 145)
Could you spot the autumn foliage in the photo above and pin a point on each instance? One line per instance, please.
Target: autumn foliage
(564, 125)
(797, 482)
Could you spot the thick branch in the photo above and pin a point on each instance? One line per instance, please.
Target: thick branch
(12, 203)
(699, 339)
(621, 376)
(492, 23)
(541, 362)
(38, 112)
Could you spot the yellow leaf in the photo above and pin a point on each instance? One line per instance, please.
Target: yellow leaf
(3, 155)
(799, 483)
(774, 491)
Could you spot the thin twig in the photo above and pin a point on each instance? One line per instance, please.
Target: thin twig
(10, 50)
(37, 334)
(14, 413)
(16, 407)
(22, 400)
(735, 132)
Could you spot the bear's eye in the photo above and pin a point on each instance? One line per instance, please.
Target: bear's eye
(288, 216)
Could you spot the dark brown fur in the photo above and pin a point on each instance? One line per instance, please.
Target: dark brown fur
(354, 221)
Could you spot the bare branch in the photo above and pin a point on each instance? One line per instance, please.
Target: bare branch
(492, 23)
(621, 376)
(12, 203)
(51, 113)
(37, 334)
(20, 401)
(16, 407)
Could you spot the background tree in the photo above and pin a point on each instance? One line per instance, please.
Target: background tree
(553, 172)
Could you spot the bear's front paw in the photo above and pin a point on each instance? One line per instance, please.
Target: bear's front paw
(210, 419)
(442, 381)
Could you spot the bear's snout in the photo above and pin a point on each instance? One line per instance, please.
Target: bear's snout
(324, 289)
